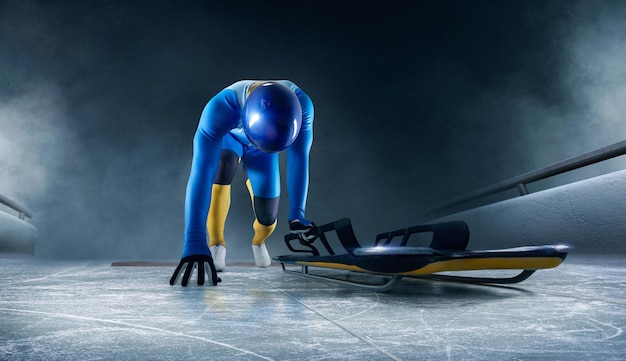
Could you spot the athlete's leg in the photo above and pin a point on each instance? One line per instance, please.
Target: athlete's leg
(220, 200)
(220, 197)
(265, 212)
(264, 186)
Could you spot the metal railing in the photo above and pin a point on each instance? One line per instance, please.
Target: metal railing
(520, 182)
(23, 212)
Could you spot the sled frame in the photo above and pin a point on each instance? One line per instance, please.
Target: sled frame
(448, 237)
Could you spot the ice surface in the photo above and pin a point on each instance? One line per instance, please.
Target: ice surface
(52, 310)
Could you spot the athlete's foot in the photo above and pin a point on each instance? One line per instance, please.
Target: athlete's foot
(219, 257)
(261, 256)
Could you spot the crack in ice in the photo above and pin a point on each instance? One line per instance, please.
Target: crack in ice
(337, 324)
(180, 334)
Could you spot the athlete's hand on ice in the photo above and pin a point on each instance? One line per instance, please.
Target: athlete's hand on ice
(189, 263)
(304, 229)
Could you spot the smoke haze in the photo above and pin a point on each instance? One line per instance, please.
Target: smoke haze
(414, 104)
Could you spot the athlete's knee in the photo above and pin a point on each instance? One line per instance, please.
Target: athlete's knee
(229, 161)
(266, 210)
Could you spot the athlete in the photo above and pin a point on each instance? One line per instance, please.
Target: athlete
(249, 122)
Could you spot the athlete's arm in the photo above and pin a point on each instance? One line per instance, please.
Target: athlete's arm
(298, 161)
(219, 116)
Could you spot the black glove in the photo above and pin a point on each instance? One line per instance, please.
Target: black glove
(190, 262)
(304, 229)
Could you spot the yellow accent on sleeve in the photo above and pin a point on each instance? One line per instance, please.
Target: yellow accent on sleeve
(252, 86)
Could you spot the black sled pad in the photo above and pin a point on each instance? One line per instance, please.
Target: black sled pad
(391, 256)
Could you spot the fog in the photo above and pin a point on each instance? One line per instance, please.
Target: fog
(415, 104)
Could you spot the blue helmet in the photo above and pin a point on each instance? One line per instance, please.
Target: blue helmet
(272, 116)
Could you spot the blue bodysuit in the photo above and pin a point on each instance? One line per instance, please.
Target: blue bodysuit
(220, 127)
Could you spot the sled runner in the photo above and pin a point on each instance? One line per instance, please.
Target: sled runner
(392, 257)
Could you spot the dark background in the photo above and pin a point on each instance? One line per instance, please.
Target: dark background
(416, 102)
